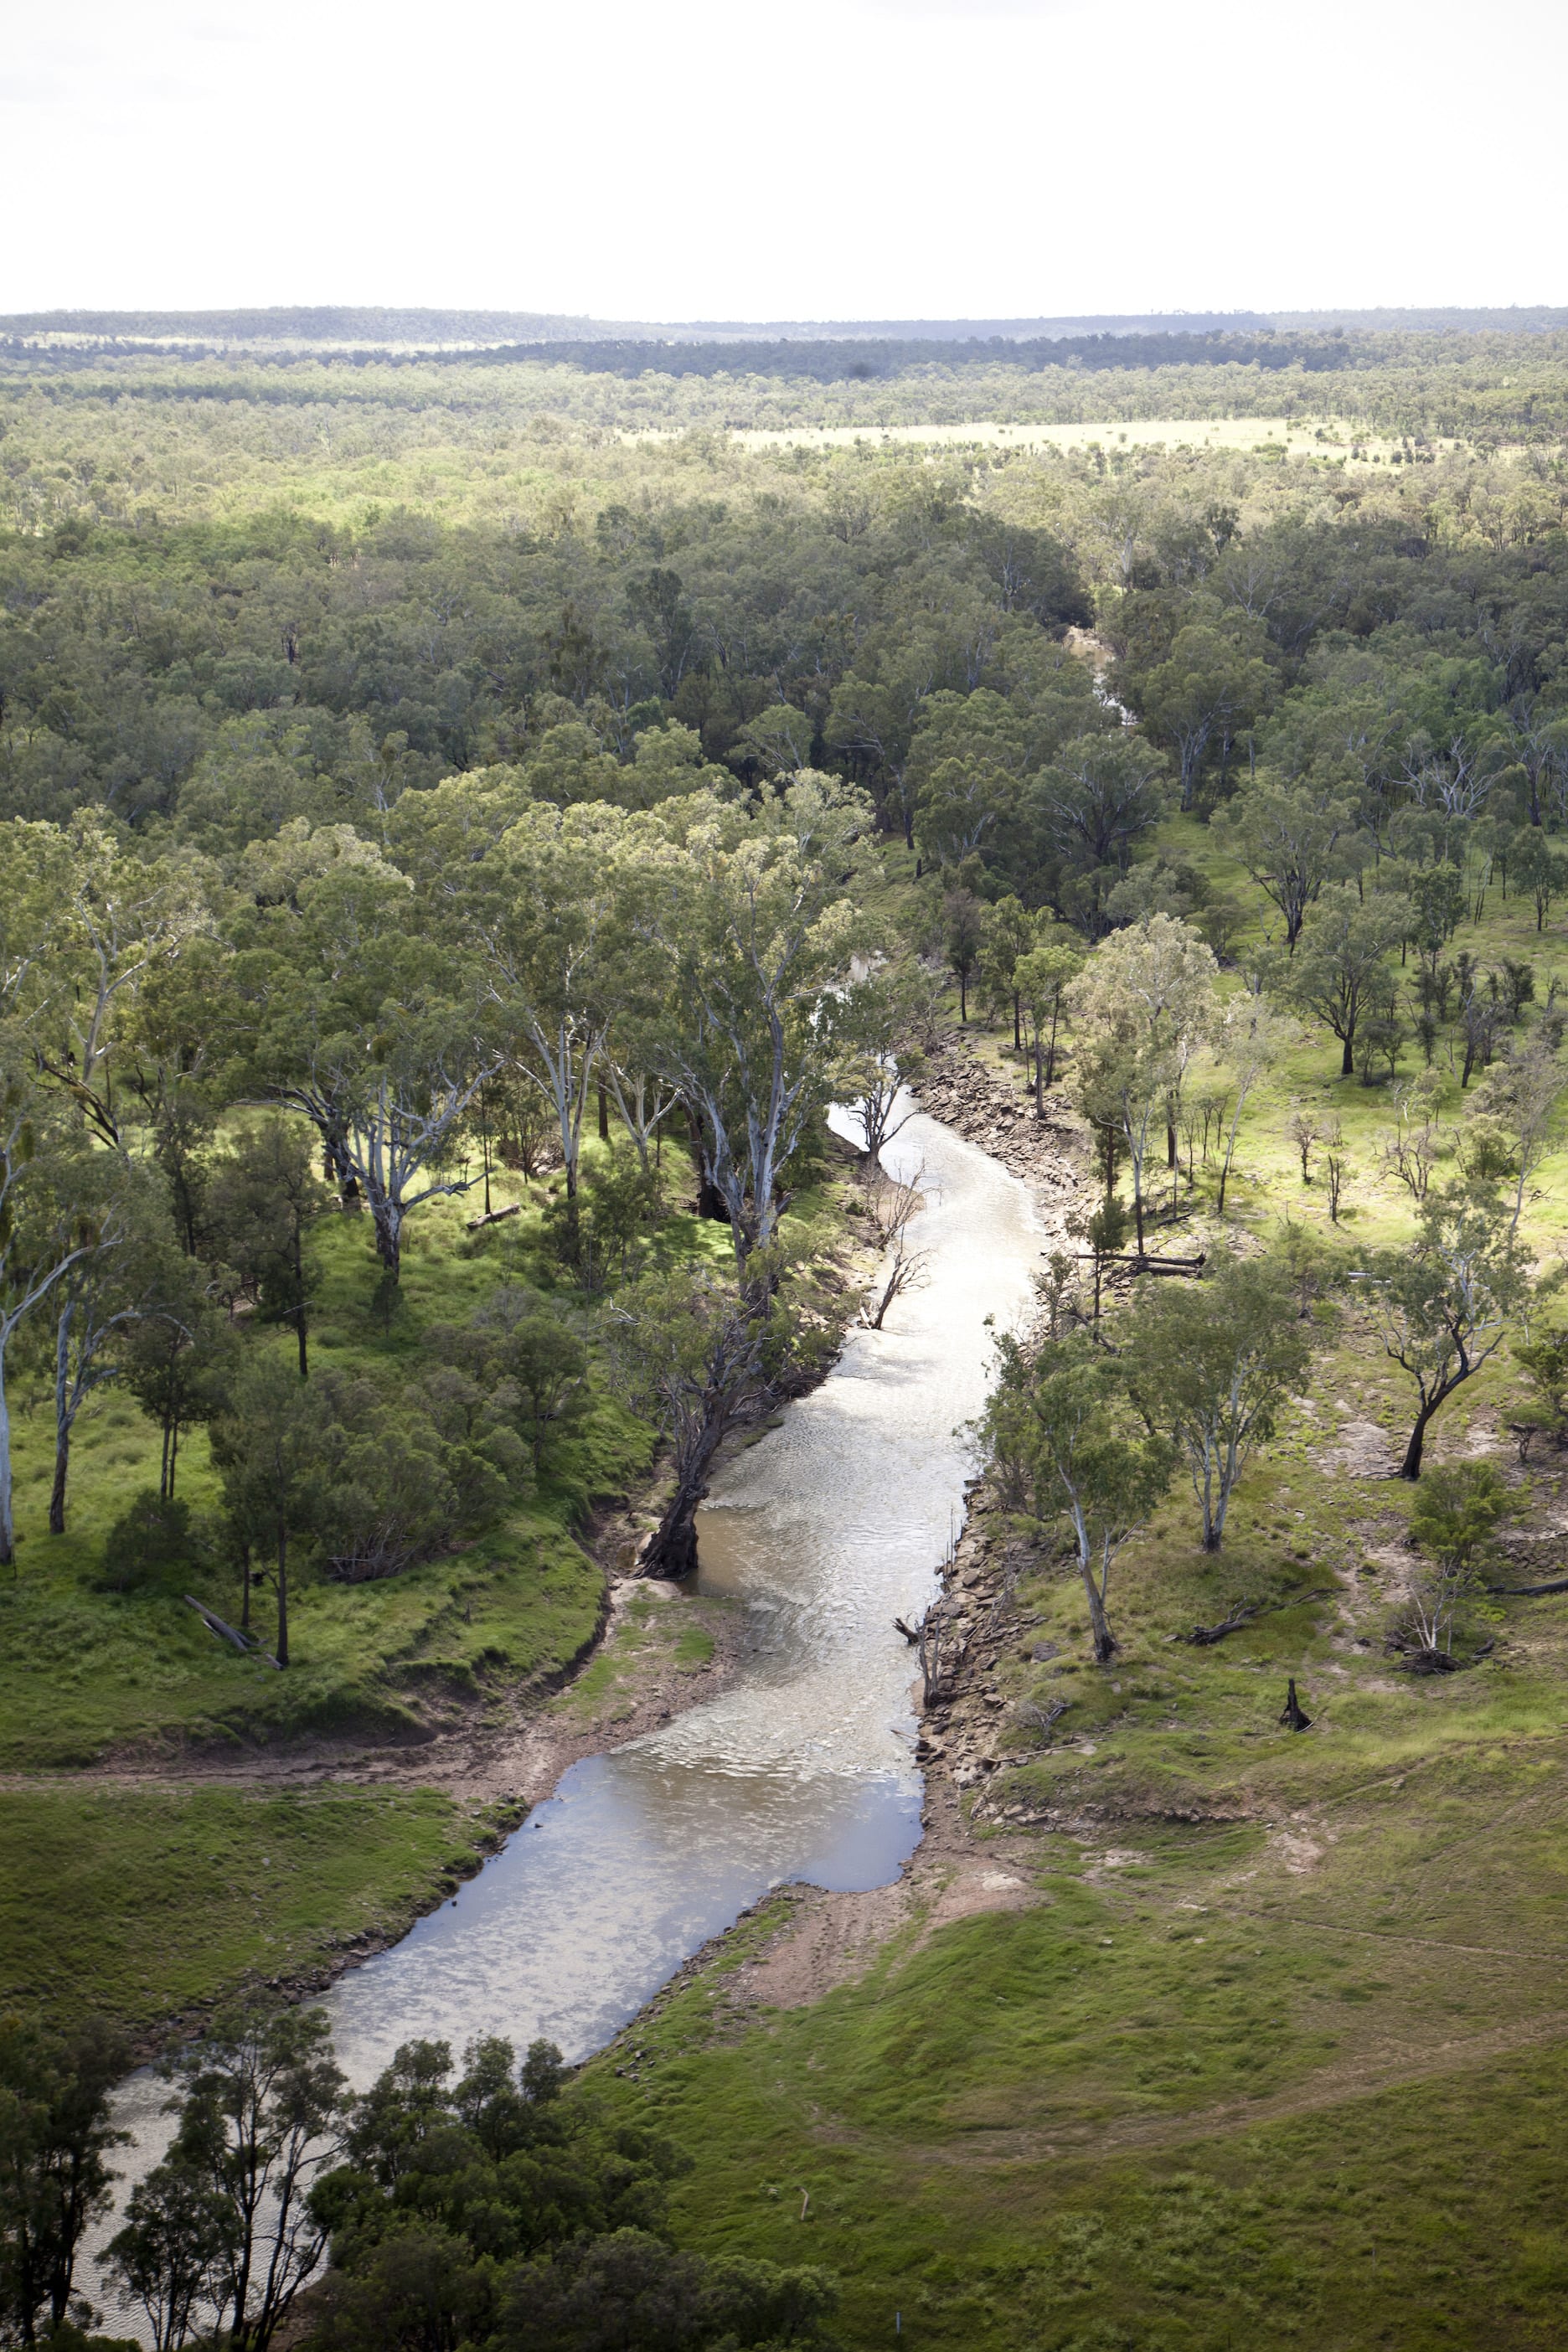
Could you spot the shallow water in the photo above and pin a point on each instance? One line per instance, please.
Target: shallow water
(823, 1530)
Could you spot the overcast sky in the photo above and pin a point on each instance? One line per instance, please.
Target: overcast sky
(681, 159)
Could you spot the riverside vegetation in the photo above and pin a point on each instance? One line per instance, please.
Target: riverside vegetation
(370, 875)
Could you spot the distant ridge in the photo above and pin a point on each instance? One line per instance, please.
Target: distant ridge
(528, 332)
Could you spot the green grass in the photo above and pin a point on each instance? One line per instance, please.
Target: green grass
(149, 1903)
(1313, 2008)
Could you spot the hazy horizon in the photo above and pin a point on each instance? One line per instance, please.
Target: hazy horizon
(881, 160)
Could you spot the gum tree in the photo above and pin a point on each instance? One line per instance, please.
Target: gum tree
(1442, 1308)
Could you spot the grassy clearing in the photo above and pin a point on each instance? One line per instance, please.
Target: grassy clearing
(1272, 436)
(146, 1905)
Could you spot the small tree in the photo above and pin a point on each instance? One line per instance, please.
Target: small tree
(269, 1449)
(878, 1018)
(265, 1198)
(1210, 1362)
(1338, 967)
(964, 933)
(892, 1207)
(1007, 933)
(168, 2255)
(1453, 1524)
(1105, 1231)
(1249, 1042)
(1039, 979)
(1524, 1095)
(1442, 1308)
(1057, 1428)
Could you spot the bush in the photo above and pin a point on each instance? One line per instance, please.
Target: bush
(150, 1545)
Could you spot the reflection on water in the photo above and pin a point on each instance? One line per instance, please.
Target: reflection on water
(824, 1530)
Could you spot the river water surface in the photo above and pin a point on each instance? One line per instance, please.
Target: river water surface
(823, 1531)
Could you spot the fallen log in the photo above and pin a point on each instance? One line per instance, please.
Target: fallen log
(226, 1633)
(494, 1217)
(1528, 1591)
(1143, 1262)
(1203, 1637)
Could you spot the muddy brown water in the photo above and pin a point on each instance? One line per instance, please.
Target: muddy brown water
(823, 1530)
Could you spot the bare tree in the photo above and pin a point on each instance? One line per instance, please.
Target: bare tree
(892, 1207)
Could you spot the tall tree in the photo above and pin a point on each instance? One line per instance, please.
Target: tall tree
(753, 917)
(56, 2140)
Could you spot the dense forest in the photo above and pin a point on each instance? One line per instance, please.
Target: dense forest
(453, 851)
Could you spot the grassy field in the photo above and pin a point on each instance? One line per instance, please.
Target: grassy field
(149, 1903)
(1279, 2045)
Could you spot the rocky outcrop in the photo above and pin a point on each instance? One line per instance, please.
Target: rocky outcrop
(993, 1109)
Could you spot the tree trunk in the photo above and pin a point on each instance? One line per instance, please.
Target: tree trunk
(671, 1549)
(604, 1115)
(389, 1234)
(57, 1491)
(711, 1203)
(7, 1536)
(962, 1000)
(1347, 1059)
(300, 1320)
(282, 1596)
(1411, 1465)
(62, 1421)
(1105, 1641)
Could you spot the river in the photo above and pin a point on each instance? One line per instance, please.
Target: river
(823, 1530)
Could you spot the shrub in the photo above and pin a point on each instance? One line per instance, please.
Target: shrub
(149, 1544)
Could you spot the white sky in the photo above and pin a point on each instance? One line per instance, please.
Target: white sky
(681, 159)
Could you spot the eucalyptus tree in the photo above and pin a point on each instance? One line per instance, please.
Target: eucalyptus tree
(123, 918)
(1141, 1006)
(1442, 1307)
(1069, 1455)
(374, 1024)
(751, 914)
(1288, 838)
(1041, 979)
(101, 1297)
(544, 913)
(1209, 1364)
(876, 1018)
(1340, 961)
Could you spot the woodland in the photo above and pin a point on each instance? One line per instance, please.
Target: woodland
(462, 824)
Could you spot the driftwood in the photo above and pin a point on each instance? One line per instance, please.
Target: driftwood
(215, 1624)
(1203, 1637)
(910, 1632)
(496, 1217)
